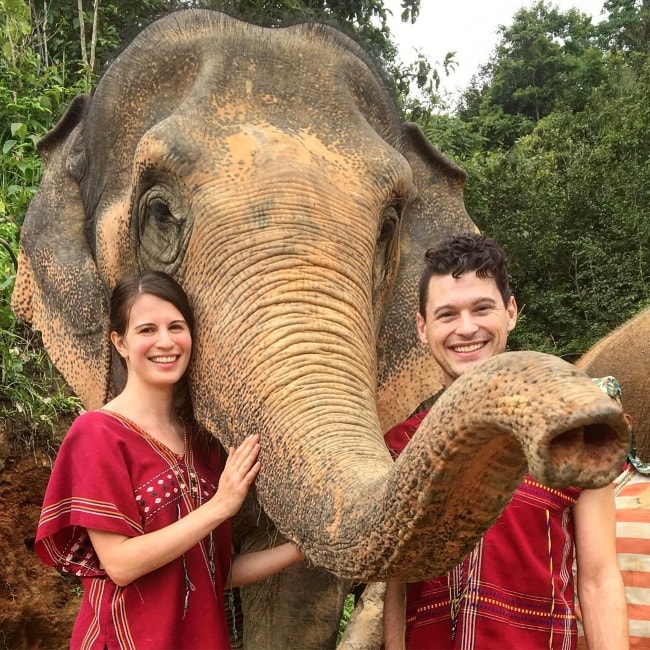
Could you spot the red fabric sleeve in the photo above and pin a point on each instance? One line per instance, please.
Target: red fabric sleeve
(90, 487)
(398, 437)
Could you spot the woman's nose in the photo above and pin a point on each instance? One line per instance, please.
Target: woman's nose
(164, 338)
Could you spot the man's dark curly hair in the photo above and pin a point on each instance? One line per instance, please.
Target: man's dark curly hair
(459, 254)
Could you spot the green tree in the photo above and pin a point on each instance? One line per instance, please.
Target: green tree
(545, 60)
(570, 203)
(627, 27)
(554, 135)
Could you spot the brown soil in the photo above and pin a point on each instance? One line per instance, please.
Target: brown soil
(37, 606)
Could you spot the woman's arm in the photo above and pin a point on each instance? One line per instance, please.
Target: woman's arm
(126, 559)
(251, 567)
(394, 615)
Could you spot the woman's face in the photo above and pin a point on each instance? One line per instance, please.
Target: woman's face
(157, 343)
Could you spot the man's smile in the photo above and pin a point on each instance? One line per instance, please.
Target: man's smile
(468, 347)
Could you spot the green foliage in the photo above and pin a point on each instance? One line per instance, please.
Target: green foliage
(452, 135)
(559, 169)
(570, 204)
(348, 608)
(32, 395)
(627, 27)
(545, 61)
(58, 37)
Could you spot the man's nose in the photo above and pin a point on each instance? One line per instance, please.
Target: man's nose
(466, 324)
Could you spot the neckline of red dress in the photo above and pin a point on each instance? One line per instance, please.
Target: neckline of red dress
(138, 429)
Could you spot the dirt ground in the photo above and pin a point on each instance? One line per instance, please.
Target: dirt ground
(37, 606)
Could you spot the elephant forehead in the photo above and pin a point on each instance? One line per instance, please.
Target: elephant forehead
(267, 153)
(306, 149)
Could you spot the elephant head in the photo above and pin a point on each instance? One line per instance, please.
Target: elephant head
(268, 171)
(625, 353)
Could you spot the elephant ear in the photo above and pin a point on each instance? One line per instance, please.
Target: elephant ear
(58, 289)
(407, 374)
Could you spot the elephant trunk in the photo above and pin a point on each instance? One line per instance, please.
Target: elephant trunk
(364, 518)
(291, 354)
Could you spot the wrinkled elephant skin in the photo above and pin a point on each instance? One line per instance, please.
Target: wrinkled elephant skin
(625, 354)
(268, 171)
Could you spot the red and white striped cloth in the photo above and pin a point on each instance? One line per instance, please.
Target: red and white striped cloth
(633, 550)
(632, 493)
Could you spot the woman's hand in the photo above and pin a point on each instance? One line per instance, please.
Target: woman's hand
(126, 559)
(238, 475)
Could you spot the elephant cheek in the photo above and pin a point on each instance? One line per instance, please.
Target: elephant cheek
(116, 255)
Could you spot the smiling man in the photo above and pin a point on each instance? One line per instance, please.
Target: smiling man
(515, 589)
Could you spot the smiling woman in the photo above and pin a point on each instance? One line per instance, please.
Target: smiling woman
(157, 345)
(144, 520)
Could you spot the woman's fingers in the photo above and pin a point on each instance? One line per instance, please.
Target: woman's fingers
(242, 465)
(243, 457)
(252, 473)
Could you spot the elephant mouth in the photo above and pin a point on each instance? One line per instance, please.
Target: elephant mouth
(586, 446)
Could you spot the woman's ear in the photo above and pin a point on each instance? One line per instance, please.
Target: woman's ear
(118, 342)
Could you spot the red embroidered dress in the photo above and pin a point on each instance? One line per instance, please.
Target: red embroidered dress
(111, 476)
(515, 590)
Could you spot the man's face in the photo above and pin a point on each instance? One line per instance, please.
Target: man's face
(466, 322)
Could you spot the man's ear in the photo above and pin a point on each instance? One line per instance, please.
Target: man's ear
(421, 326)
(512, 311)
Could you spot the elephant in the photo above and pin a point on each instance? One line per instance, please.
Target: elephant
(268, 170)
(625, 353)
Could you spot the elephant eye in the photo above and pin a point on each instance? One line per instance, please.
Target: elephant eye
(385, 262)
(161, 234)
(159, 211)
(388, 227)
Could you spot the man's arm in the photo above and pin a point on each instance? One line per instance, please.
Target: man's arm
(394, 615)
(600, 585)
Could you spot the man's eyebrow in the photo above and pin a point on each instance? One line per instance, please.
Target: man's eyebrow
(479, 301)
(442, 308)
(492, 301)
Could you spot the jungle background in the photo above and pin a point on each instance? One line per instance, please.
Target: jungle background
(553, 130)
